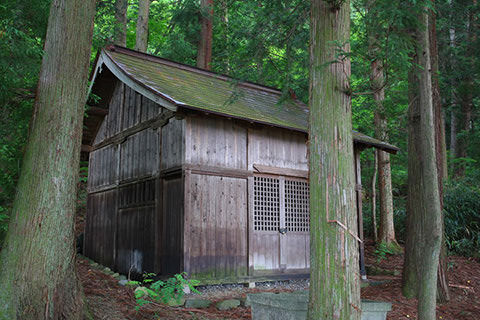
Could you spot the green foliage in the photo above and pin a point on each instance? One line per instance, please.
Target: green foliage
(83, 172)
(382, 250)
(399, 217)
(462, 218)
(22, 30)
(162, 291)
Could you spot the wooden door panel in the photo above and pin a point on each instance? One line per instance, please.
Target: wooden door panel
(266, 251)
(295, 251)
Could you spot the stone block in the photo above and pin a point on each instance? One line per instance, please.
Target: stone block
(293, 306)
(197, 303)
(228, 304)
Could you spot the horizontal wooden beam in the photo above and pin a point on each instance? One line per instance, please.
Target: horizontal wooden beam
(86, 148)
(207, 170)
(154, 123)
(281, 171)
(218, 171)
(120, 184)
(97, 111)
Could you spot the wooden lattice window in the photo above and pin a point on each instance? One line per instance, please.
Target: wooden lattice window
(297, 208)
(266, 213)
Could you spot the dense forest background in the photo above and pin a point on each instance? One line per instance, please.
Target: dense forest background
(268, 42)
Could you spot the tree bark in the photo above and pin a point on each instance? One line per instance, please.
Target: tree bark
(414, 187)
(141, 41)
(37, 271)
(204, 53)
(120, 31)
(334, 273)
(426, 212)
(386, 232)
(374, 196)
(466, 101)
(443, 293)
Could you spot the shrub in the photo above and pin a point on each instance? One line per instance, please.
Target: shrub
(162, 291)
(462, 218)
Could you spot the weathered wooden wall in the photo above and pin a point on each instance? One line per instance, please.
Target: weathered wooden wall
(216, 226)
(280, 151)
(220, 159)
(136, 227)
(172, 227)
(99, 241)
(215, 198)
(139, 155)
(216, 142)
(124, 214)
(173, 144)
(277, 147)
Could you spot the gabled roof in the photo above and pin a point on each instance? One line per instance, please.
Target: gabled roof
(174, 85)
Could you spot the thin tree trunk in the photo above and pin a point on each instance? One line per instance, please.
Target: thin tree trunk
(414, 187)
(386, 232)
(334, 276)
(443, 293)
(453, 115)
(424, 215)
(374, 196)
(204, 53)
(37, 271)
(141, 40)
(430, 218)
(120, 31)
(224, 19)
(467, 99)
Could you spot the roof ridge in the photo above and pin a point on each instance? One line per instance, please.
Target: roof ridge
(187, 67)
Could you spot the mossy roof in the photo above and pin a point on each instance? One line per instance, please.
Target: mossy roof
(192, 88)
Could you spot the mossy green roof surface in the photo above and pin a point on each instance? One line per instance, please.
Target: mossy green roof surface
(193, 88)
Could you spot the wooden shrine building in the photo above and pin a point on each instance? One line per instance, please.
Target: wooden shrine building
(190, 171)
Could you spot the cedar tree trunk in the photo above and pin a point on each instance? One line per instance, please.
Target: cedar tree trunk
(453, 115)
(37, 271)
(424, 231)
(386, 233)
(440, 150)
(204, 53)
(414, 186)
(467, 98)
(120, 32)
(334, 254)
(142, 25)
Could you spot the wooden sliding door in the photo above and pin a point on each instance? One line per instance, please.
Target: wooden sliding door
(279, 224)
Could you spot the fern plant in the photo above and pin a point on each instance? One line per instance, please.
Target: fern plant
(162, 291)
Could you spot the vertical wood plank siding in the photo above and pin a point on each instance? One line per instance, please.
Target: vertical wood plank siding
(100, 227)
(136, 227)
(271, 253)
(139, 155)
(277, 147)
(216, 227)
(111, 125)
(172, 228)
(102, 169)
(173, 139)
(121, 222)
(215, 142)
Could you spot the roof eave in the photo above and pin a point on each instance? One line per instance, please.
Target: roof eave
(147, 91)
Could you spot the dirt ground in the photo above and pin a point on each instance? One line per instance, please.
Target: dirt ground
(108, 300)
